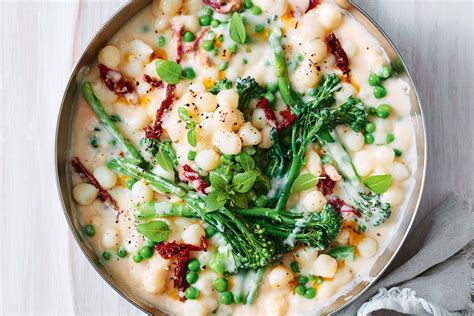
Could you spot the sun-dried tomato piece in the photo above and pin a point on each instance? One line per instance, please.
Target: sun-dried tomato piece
(188, 174)
(265, 106)
(152, 81)
(89, 177)
(335, 48)
(154, 132)
(178, 34)
(115, 81)
(224, 6)
(288, 118)
(312, 5)
(341, 206)
(326, 186)
(180, 254)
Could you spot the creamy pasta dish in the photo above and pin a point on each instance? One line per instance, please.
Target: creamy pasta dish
(235, 157)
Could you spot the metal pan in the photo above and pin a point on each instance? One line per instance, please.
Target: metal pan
(63, 141)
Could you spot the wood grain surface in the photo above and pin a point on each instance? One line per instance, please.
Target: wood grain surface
(42, 271)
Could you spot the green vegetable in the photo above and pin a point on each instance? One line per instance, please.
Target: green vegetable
(137, 258)
(226, 298)
(129, 183)
(192, 277)
(309, 293)
(300, 289)
(205, 20)
(390, 138)
(216, 199)
(189, 73)
(218, 262)
(379, 184)
(89, 230)
(121, 252)
(385, 72)
(246, 161)
(156, 231)
(223, 66)
(220, 285)
(369, 138)
(302, 279)
(247, 89)
(106, 255)
(270, 97)
(380, 92)
(259, 28)
(188, 36)
(237, 29)
(208, 11)
(215, 23)
(191, 293)
(374, 80)
(248, 4)
(146, 252)
(238, 299)
(319, 280)
(194, 265)
(169, 71)
(94, 103)
(254, 286)
(161, 41)
(190, 125)
(261, 201)
(208, 45)
(210, 231)
(383, 110)
(151, 243)
(164, 161)
(272, 87)
(342, 253)
(233, 48)
(222, 84)
(256, 10)
(243, 182)
(192, 155)
(370, 127)
(304, 182)
(398, 152)
(295, 267)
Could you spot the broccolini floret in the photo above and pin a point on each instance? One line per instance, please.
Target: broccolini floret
(248, 89)
(223, 84)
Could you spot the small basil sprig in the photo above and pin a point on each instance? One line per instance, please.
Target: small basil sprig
(304, 182)
(379, 184)
(246, 161)
(169, 71)
(237, 29)
(190, 125)
(156, 231)
(342, 253)
(243, 182)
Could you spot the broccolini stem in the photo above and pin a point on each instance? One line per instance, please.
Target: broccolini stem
(94, 103)
(149, 210)
(292, 175)
(255, 286)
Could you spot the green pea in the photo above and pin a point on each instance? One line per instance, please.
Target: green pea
(192, 277)
(191, 293)
(188, 36)
(223, 66)
(151, 243)
(398, 152)
(210, 231)
(189, 73)
(259, 28)
(248, 4)
(370, 127)
(208, 45)
(89, 230)
(270, 97)
(256, 10)
(130, 182)
(205, 20)
(261, 201)
(369, 138)
(233, 48)
(380, 92)
(372, 111)
(238, 299)
(385, 72)
(309, 293)
(245, 61)
(325, 159)
(374, 80)
(221, 285)
(106, 255)
(194, 265)
(192, 155)
(383, 110)
(252, 194)
(146, 252)
(208, 11)
(214, 52)
(121, 252)
(272, 86)
(295, 267)
(215, 23)
(390, 138)
(302, 279)
(226, 298)
(300, 289)
(319, 280)
(137, 258)
(161, 41)
(287, 139)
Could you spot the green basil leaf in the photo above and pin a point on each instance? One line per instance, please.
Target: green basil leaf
(184, 114)
(342, 253)
(237, 29)
(192, 140)
(156, 231)
(215, 200)
(246, 161)
(379, 184)
(243, 182)
(169, 71)
(218, 181)
(240, 200)
(164, 160)
(304, 182)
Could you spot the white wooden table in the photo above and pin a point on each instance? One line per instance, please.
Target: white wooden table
(42, 271)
